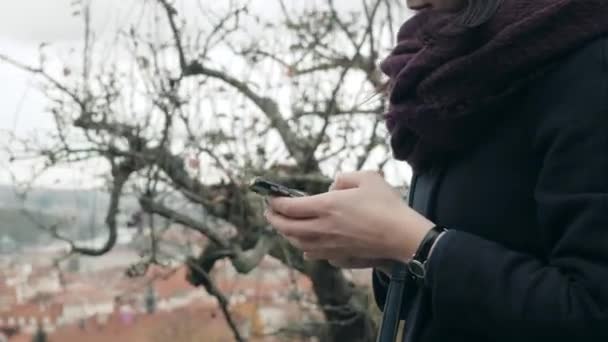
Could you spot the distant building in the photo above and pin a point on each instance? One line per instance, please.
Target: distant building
(28, 317)
(96, 301)
(8, 245)
(41, 281)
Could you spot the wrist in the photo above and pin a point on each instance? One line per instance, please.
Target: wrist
(385, 267)
(410, 238)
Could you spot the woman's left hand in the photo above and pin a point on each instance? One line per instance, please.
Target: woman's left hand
(361, 217)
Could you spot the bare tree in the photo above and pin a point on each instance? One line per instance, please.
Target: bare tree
(203, 105)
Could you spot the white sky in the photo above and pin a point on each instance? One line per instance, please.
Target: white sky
(24, 24)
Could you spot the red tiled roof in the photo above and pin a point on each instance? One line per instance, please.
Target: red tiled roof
(36, 311)
(172, 283)
(42, 272)
(8, 293)
(78, 293)
(259, 287)
(199, 323)
(21, 338)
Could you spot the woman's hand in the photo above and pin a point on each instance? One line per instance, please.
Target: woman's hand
(361, 220)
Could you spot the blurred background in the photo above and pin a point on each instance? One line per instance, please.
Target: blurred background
(129, 132)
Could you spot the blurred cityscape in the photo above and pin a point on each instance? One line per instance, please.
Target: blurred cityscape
(46, 296)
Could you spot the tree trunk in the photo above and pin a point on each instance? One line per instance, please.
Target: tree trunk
(344, 305)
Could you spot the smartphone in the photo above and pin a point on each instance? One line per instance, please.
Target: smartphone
(267, 188)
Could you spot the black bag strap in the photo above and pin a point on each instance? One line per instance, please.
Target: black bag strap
(396, 295)
(403, 285)
(393, 305)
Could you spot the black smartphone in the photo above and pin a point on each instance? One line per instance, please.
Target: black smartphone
(267, 188)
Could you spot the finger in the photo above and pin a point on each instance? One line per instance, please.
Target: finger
(350, 180)
(300, 207)
(294, 242)
(339, 263)
(310, 256)
(301, 244)
(352, 263)
(323, 242)
(323, 255)
(305, 244)
(295, 228)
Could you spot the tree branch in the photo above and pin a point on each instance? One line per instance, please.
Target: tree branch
(41, 72)
(243, 261)
(121, 174)
(149, 205)
(269, 107)
(213, 290)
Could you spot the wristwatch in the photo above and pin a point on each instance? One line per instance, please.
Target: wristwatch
(417, 265)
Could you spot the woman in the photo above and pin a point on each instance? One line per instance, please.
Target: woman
(501, 108)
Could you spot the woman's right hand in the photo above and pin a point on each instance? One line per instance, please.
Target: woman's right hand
(385, 266)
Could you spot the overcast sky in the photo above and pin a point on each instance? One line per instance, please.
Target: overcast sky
(25, 24)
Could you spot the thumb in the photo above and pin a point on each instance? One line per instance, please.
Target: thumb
(350, 180)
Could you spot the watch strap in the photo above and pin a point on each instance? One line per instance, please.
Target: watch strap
(417, 265)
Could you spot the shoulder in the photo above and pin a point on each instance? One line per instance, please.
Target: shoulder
(574, 93)
(593, 56)
(579, 75)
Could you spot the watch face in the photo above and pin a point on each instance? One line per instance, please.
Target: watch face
(417, 269)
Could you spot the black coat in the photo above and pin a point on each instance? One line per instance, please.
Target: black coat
(526, 256)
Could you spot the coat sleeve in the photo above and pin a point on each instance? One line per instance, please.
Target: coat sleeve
(482, 286)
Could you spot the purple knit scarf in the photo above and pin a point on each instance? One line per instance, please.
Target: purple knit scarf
(447, 82)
